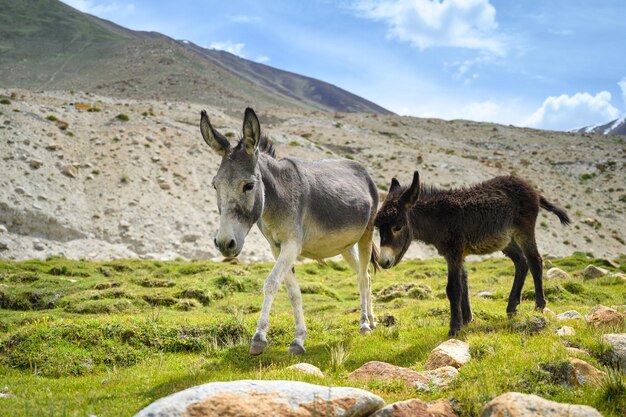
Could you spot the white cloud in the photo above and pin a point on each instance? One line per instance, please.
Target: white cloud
(241, 18)
(262, 59)
(228, 46)
(568, 112)
(447, 23)
(89, 6)
(622, 85)
(484, 111)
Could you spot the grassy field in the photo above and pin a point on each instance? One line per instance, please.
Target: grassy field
(108, 338)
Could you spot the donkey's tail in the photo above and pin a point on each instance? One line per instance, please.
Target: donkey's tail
(374, 257)
(560, 213)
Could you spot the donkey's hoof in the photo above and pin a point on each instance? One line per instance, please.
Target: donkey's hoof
(257, 346)
(511, 314)
(365, 329)
(453, 332)
(296, 349)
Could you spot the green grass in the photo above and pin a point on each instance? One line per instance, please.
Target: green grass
(108, 338)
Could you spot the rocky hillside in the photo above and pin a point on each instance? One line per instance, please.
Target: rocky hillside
(47, 45)
(131, 178)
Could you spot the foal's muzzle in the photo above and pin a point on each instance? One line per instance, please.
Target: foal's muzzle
(387, 258)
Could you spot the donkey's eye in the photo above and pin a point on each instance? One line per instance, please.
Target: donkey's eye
(248, 186)
(396, 229)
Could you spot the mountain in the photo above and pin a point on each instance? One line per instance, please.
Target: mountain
(615, 127)
(48, 45)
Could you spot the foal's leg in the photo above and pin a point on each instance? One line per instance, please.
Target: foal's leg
(454, 290)
(529, 247)
(514, 252)
(466, 308)
(295, 297)
(366, 322)
(288, 255)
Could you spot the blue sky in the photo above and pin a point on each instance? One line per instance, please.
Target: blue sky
(553, 64)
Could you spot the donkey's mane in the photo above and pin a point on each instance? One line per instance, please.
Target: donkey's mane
(265, 146)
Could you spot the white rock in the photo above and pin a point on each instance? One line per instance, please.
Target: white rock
(618, 343)
(515, 404)
(569, 315)
(565, 331)
(452, 352)
(437, 378)
(307, 368)
(557, 273)
(264, 398)
(592, 271)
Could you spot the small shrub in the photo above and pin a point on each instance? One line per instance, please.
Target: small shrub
(574, 287)
(339, 355)
(52, 118)
(122, 117)
(159, 300)
(319, 289)
(5, 101)
(94, 110)
(187, 304)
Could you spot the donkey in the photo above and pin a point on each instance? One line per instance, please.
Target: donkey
(315, 209)
(498, 214)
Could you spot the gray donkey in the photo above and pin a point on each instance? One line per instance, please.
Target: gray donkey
(315, 209)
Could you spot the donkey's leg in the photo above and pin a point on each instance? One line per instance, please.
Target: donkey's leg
(455, 292)
(295, 297)
(288, 255)
(466, 308)
(351, 258)
(514, 252)
(366, 322)
(529, 247)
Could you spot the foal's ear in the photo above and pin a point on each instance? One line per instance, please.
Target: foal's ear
(410, 196)
(212, 137)
(251, 131)
(394, 185)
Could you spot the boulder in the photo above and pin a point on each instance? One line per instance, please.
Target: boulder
(249, 398)
(602, 315)
(384, 371)
(592, 271)
(569, 315)
(69, 171)
(307, 368)
(515, 404)
(565, 331)
(557, 273)
(424, 381)
(36, 163)
(584, 373)
(618, 342)
(485, 294)
(452, 352)
(417, 408)
(437, 378)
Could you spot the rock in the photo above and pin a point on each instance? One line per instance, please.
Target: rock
(191, 237)
(557, 273)
(601, 315)
(69, 171)
(264, 398)
(124, 225)
(576, 351)
(53, 147)
(485, 294)
(155, 159)
(452, 352)
(618, 342)
(4, 244)
(165, 186)
(417, 408)
(384, 371)
(37, 245)
(438, 378)
(36, 163)
(565, 331)
(589, 221)
(549, 312)
(610, 262)
(3, 228)
(547, 264)
(585, 373)
(307, 368)
(569, 315)
(515, 404)
(592, 271)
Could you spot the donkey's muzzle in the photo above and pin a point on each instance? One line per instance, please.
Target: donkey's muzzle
(227, 247)
(385, 263)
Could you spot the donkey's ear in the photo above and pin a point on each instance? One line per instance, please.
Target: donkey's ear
(251, 131)
(410, 196)
(394, 185)
(212, 137)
